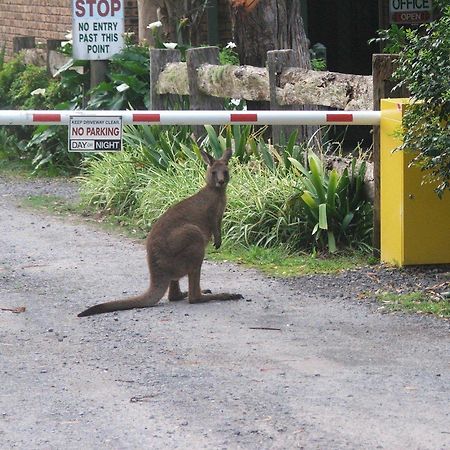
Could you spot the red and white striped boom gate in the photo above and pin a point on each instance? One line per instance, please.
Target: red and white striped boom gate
(13, 117)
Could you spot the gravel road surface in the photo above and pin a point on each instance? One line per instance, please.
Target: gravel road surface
(292, 365)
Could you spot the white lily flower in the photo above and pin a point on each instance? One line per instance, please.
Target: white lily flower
(122, 87)
(170, 45)
(153, 25)
(39, 91)
(230, 45)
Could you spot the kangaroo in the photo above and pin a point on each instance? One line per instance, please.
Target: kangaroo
(177, 242)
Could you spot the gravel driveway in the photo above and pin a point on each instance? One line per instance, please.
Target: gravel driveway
(296, 364)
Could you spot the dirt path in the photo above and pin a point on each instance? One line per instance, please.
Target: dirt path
(280, 369)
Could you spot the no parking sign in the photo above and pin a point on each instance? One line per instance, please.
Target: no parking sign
(95, 134)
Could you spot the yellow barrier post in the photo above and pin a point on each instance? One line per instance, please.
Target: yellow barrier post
(415, 223)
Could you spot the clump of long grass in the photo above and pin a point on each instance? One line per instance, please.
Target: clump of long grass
(113, 181)
(164, 188)
(257, 212)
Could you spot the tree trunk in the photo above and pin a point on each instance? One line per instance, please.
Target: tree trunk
(270, 25)
(180, 20)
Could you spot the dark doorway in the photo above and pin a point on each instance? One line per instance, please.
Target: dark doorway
(344, 27)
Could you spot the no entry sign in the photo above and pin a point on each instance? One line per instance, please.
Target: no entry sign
(410, 11)
(95, 134)
(97, 28)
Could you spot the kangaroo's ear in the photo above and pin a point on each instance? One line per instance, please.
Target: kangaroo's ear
(207, 158)
(227, 155)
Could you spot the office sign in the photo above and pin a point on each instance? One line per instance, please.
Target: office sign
(410, 11)
(97, 28)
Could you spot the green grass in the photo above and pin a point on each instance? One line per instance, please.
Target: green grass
(60, 207)
(15, 167)
(279, 262)
(418, 302)
(51, 203)
(22, 168)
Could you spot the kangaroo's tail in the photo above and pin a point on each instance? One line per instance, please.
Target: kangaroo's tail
(149, 298)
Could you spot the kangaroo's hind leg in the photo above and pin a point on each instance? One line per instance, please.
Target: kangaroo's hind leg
(175, 293)
(197, 296)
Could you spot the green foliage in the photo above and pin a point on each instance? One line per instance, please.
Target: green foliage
(424, 68)
(160, 145)
(419, 302)
(257, 213)
(281, 262)
(25, 83)
(318, 64)
(159, 168)
(333, 204)
(228, 56)
(29, 87)
(8, 74)
(128, 70)
(112, 181)
(48, 147)
(392, 39)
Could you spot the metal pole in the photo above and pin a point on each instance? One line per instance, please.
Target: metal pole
(13, 117)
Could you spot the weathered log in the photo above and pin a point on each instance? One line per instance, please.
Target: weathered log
(173, 79)
(297, 86)
(248, 82)
(337, 90)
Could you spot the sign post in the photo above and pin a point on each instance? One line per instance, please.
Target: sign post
(97, 28)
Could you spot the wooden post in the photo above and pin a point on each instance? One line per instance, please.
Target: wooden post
(98, 70)
(383, 67)
(195, 57)
(22, 42)
(158, 60)
(277, 60)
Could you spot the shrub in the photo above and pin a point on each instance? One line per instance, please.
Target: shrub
(26, 82)
(424, 68)
(127, 83)
(8, 73)
(334, 205)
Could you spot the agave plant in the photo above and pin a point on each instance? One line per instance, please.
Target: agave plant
(334, 204)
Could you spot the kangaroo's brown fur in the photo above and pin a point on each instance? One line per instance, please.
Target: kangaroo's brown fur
(177, 241)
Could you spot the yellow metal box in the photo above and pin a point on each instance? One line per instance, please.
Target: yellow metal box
(415, 223)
